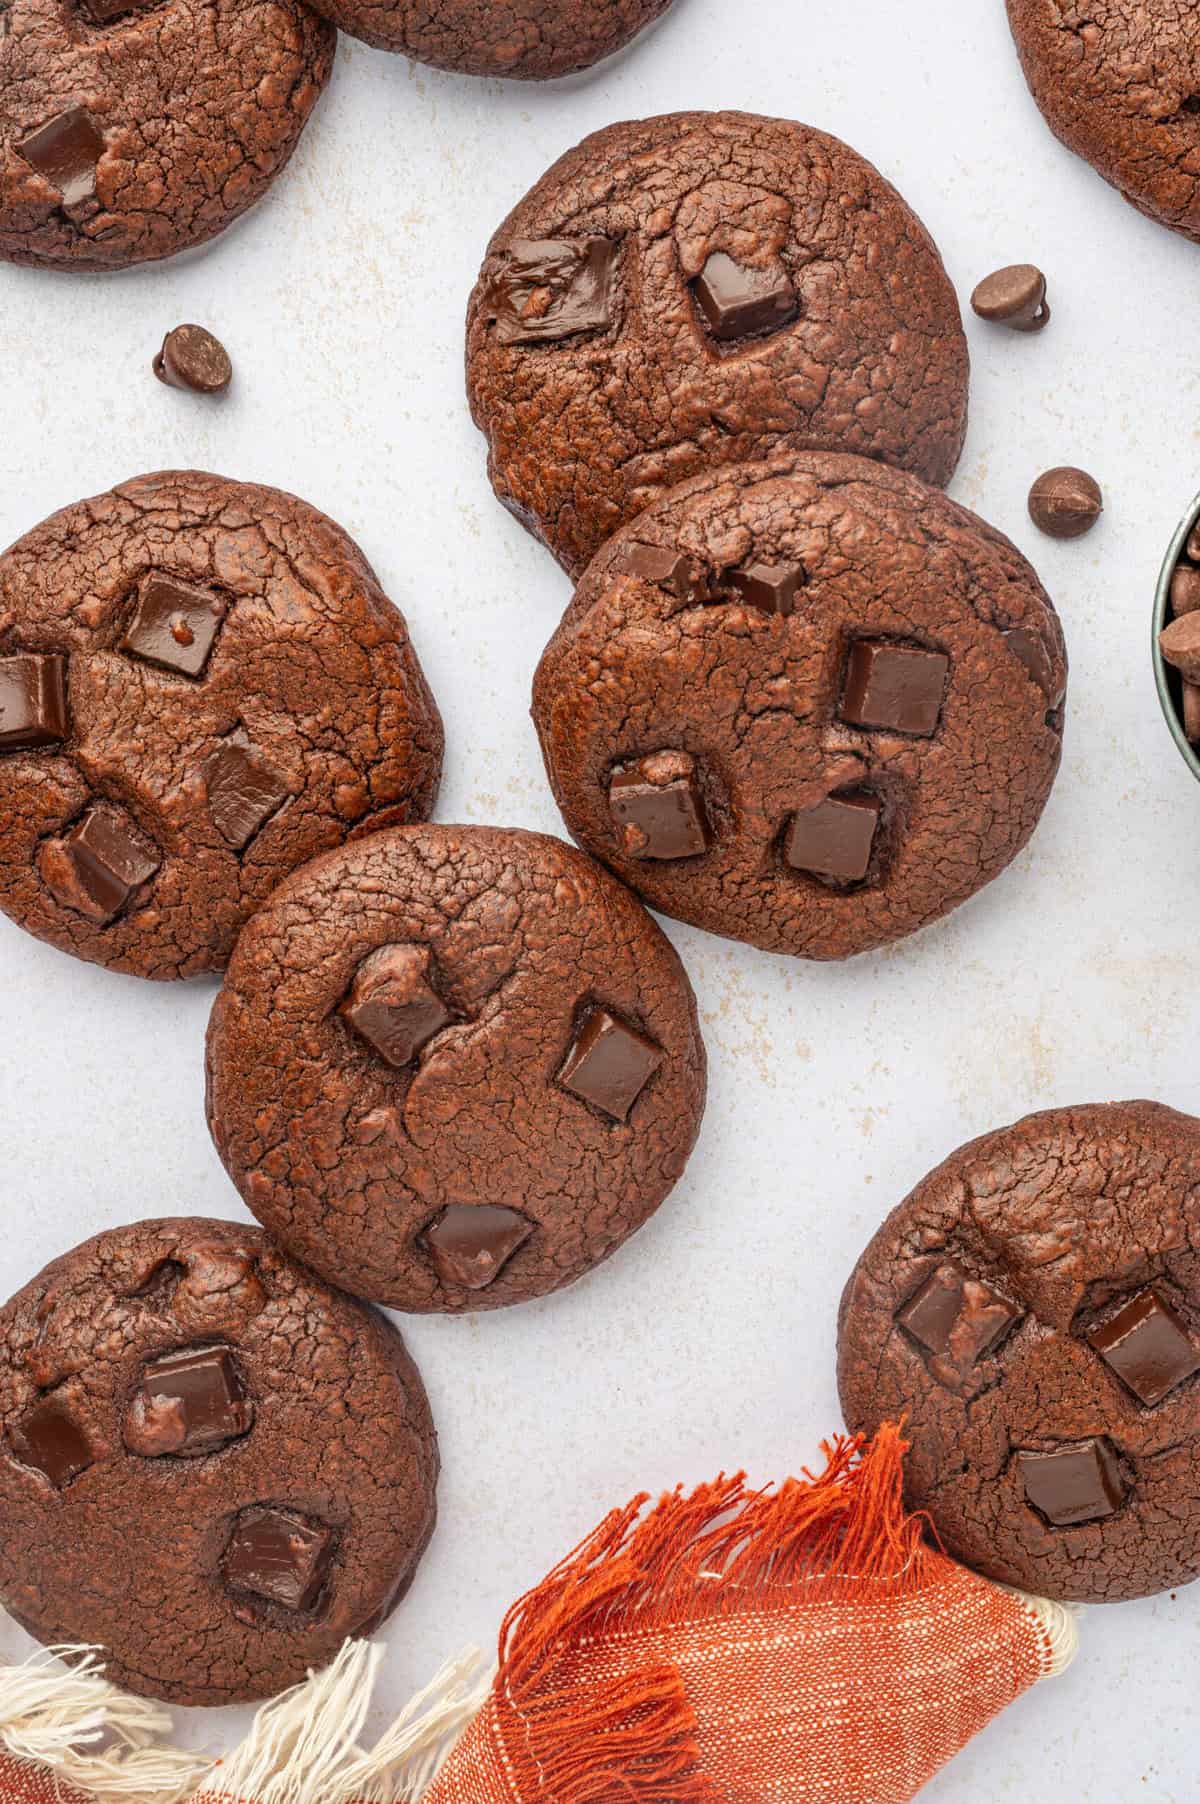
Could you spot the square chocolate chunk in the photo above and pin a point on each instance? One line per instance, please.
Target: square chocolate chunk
(393, 1004)
(553, 288)
(738, 302)
(65, 152)
(49, 1439)
(835, 838)
(667, 569)
(1147, 1347)
(1075, 1484)
(610, 1063)
(33, 701)
(188, 1403)
(96, 866)
(470, 1244)
(957, 1317)
(174, 625)
(243, 792)
(769, 587)
(657, 805)
(894, 688)
(278, 1555)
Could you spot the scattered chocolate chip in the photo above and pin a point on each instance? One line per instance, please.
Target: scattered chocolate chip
(191, 358)
(1147, 1347)
(738, 302)
(470, 1244)
(833, 840)
(49, 1439)
(96, 866)
(667, 569)
(1185, 590)
(188, 1403)
(893, 687)
(657, 804)
(609, 1064)
(1065, 503)
(65, 152)
(1034, 654)
(770, 587)
(552, 288)
(278, 1555)
(243, 791)
(1014, 296)
(1073, 1484)
(393, 1005)
(957, 1317)
(174, 624)
(1180, 645)
(33, 701)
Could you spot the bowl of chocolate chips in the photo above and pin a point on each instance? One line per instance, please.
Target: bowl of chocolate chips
(1177, 638)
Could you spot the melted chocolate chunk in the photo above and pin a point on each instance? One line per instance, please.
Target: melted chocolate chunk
(393, 1005)
(671, 570)
(610, 1063)
(769, 587)
(658, 806)
(96, 867)
(470, 1244)
(174, 625)
(957, 1317)
(834, 839)
(1147, 1347)
(278, 1555)
(738, 302)
(49, 1439)
(33, 701)
(65, 152)
(188, 1403)
(553, 288)
(1073, 1484)
(894, 688)
(243, 792)
(1031, 649)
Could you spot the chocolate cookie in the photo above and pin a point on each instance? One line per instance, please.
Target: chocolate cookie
(211, 1466)
(201, 685)
(530, 39)
(1033, 1311)
(809, 703)
(1119, 83)
(129, 129)
(699, 290)
(454, 1067)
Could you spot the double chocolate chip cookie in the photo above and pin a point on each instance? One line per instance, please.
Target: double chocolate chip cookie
(1033, 1312)
(1119, 83)
(810, 703)
(201, 685)
(130, 129)
(700, 290)
(211, 1466)
(528, 39)
(454, 1067)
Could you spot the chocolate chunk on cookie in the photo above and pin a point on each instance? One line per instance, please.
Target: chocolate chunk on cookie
(528, 39)
(1032, 1312)
(131, 129)
(454, 1067)
(212, 1466)
(809, 703)
(758, 286)
(201, 686)
(1120, 85)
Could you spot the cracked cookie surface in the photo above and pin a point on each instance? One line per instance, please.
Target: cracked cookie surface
(212, 1466)
(454, 1067)
(1119, 82)
(201, 686)
(1033, 1311)
(703, 289)
(128, 132)
(526, 39)
(725, 628)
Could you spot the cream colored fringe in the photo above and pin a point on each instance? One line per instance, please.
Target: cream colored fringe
(1059, 1623)
(303, 1747)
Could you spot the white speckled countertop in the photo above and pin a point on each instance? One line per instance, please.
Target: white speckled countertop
(709, 1341)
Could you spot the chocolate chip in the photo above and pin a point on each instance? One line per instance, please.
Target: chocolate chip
(65, 152)
(96, 867)
(33, 701)
(1180, 645)
(470, 1244)
(1014, 296)
(1075, 1484)
(393, 1005)
(675, 571)
(49, 1439)
(770, 587)
(278, 1555)
(957, 1317)
(174, 625)
(893, 687)
(243, 791)
(610, 1063)
(188, 1403)
(1147, 1347)
(552, 288)
(1192, 548)
(1065, 503)
(191, 358)
(1185, 590)
(1189, 707)
(737, 301)
(658, 806)
(1034, 654)
(834, 839)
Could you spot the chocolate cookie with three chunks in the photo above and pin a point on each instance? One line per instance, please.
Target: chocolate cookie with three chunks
(527, 39)
(212, 1466)
(699, 290)
(1120, 85)
(809, 703)
(201, 685)
(1032, 1311)
(130, 130)
(454, 1067)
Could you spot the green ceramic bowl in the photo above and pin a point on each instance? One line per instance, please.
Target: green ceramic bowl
(1165, 677)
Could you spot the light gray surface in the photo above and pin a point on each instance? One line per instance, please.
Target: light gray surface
(709, 1341)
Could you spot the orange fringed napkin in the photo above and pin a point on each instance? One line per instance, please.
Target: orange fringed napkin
(805, 1644)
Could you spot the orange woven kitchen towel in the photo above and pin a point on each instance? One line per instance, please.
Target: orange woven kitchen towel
(806, 1645)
